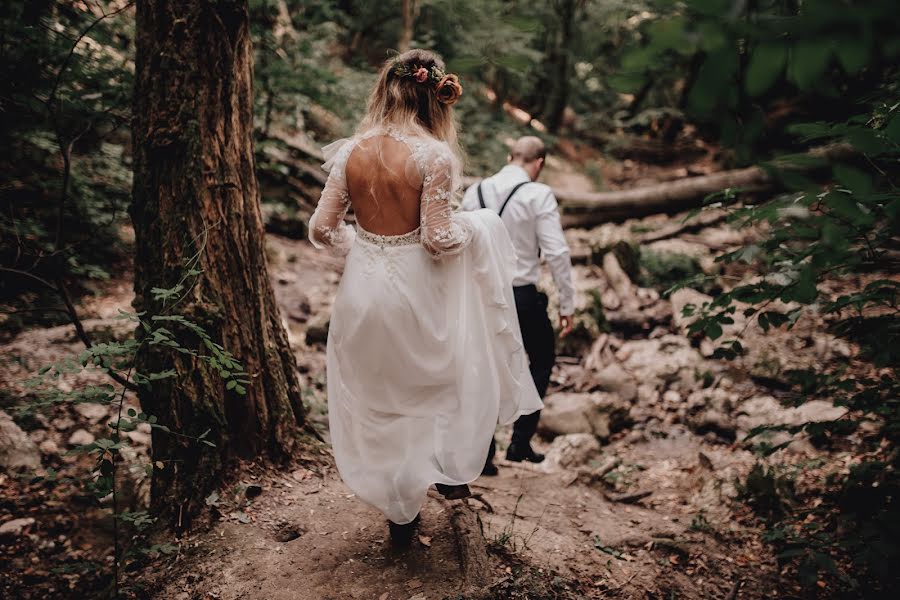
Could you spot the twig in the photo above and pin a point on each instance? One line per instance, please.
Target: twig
(485, 503)
(628, 498)
(83, 335)
(81, 36)
(735, 589)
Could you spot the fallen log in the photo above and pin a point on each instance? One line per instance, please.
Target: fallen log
(587, 209)
(674, 196)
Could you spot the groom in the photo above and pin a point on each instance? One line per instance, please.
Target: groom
(529, 211)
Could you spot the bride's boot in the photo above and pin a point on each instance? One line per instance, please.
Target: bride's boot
(402, 535)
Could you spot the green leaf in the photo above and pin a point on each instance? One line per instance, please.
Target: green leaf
(809, 59)
(856, 180)
(805, 287)
(766, 65)
(853, 54)
(892, 131)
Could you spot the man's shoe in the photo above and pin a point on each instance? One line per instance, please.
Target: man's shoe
(516, 454)
(489, 470)
(453, 492)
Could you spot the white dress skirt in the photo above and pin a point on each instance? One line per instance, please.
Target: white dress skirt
(425, 357)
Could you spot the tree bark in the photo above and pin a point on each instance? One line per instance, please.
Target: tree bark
(558, 65)
(409, 11)
(196, 193)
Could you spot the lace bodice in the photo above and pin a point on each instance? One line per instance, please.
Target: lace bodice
(431, 168)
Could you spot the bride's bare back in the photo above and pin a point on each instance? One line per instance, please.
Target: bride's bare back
(384, 194)
(395, 182)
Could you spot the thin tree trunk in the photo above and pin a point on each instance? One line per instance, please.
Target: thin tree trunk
(195, 181)
(559, 67)
(409, 12)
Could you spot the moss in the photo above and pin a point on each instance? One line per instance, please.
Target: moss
(661, 271)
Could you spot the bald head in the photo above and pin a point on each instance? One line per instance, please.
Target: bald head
(528, 152)
(527, 149)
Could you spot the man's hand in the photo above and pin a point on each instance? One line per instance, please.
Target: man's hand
(565, 325)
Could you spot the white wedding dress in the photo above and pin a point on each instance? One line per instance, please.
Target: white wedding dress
(425, 354)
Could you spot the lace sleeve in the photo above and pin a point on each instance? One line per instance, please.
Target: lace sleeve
(327, 228)
(443, 232)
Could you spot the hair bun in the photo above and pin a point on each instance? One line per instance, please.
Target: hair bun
(446, 85)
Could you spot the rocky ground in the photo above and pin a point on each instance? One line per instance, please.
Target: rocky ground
(638, 498)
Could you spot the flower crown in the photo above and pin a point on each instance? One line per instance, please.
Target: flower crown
(446, 86)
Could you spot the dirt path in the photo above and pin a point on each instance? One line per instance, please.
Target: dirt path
(541, 521)
(662, 522)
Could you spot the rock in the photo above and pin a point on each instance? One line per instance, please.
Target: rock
(63, 423)
(613, 378)
(17, 451)
(710, 411)
(766, 410)
(92, 411)
(672, 398)
(317, 333)
(49, 447)
(286, 277)
(569, 451)
(300, 309)
(140, 438)
(38, 435)
(647, 394)
(15, 527)
(81, 437)
(713, 421)
(682, 298)
(661, 361)
(599, 413)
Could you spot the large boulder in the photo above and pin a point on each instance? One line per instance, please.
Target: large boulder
(599, 414)
(570, 451)
(766, 410)
(616, 380)
(665, 362)
(17, 450)
(711, 411)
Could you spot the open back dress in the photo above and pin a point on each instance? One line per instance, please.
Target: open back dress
(425, 354)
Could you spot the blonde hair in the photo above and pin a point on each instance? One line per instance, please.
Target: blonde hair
(408, 105)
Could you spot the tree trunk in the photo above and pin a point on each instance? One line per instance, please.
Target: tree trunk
(195, 193)
(409, 11)
(558, 66)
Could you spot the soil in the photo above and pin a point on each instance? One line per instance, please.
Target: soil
(664, 522)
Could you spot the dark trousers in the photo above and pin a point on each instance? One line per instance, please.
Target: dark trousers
(540, 346)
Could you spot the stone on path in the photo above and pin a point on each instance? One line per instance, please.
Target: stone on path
(599, 414)
(81, 437)
(613, 378)
(17, 450)
(92, 411)
(15, 527)
(569, 451)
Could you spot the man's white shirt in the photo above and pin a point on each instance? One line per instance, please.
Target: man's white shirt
(532, 219)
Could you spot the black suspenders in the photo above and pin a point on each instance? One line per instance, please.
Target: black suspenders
(505, 202)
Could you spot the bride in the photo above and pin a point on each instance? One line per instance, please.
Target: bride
(425, 355)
